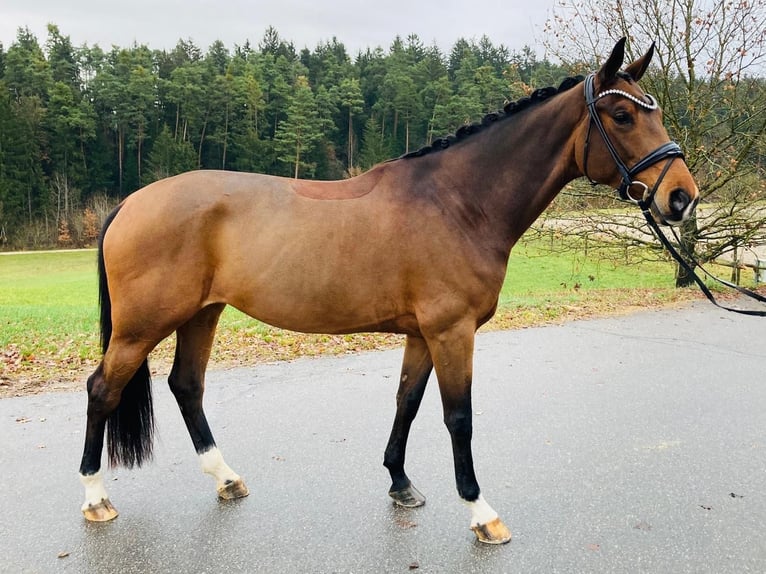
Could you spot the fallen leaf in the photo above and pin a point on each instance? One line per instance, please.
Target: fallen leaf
(643, 525)
(62, 554)
(405, 524)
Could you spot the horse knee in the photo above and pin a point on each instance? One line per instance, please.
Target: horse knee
(459, 423)
(185, 386)
(188, 391)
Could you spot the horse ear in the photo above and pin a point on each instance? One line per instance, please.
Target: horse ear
(637, 68)
(613, 64)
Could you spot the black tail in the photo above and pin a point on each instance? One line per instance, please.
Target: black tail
(130, 427)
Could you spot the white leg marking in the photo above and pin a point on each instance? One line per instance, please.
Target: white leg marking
(481, 512)
(213, 464)
(95, 491)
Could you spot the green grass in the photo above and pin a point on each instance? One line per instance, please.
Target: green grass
(536, 275)
(49, 308)
(48, 302)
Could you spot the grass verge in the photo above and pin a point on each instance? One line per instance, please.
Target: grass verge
(49, 328)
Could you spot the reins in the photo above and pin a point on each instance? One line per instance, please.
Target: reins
(668, 152)
(690, 270)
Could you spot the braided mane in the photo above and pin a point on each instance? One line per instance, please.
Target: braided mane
(510, 109)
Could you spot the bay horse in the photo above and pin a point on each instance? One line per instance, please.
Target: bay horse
(417, 245)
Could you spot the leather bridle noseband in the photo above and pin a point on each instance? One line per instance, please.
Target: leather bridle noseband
(667, 151)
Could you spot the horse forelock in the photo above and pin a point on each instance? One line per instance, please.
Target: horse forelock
(509, 110)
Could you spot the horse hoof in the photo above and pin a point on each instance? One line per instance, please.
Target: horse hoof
(494, 532)
(232, 489)
(101, 512)
(410, 497)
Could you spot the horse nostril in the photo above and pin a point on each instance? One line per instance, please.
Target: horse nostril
(679, 201)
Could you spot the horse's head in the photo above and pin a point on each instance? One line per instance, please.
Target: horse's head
(624, 144)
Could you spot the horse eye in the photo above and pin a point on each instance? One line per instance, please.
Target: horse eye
(622, 117)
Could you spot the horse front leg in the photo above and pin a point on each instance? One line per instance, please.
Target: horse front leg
(416, 368)
(452, 354)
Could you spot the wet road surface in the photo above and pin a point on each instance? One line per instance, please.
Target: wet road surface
(628, 444)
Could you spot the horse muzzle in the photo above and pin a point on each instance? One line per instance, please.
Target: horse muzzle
(681, 205)
(669, 204)
(678, 207)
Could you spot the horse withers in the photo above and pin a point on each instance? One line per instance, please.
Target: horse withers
(417, 246)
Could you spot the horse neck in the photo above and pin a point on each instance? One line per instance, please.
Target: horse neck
(511, 172)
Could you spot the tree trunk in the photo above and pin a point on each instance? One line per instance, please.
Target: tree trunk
(120, 143)
(407, 134)
(689, 236)
(225, 137)
(350, 141)
(202, 140)
(139, 146)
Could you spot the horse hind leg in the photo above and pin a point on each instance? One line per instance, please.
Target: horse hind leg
(118, 393)
(416, 368)
(97, 506)
(187, 382)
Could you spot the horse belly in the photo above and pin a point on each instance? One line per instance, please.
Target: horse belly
(318, 298)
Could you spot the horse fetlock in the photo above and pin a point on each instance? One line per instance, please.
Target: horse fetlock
(97, 506)
(485, 522)
(228, 483)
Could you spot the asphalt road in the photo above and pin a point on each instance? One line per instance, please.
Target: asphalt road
(629, 444)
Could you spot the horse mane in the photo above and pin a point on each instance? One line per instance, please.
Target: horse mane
(510, 109)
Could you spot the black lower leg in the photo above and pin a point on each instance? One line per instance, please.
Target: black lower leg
(459, 423)
(98, 412)
(416, 368)
(188, 392)
(407, 408)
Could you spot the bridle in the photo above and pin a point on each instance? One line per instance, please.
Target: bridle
(668, 151)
